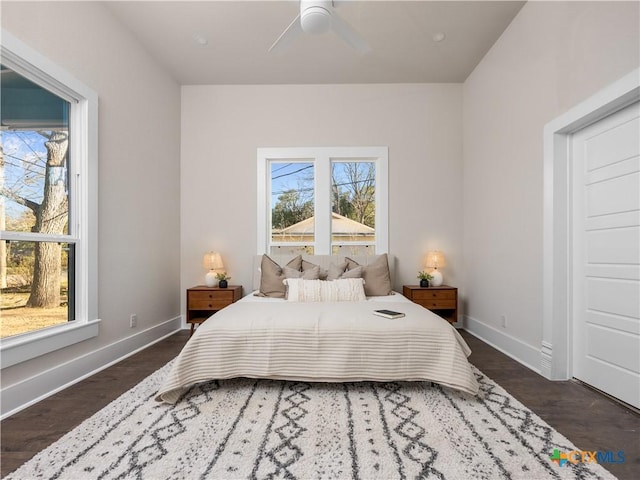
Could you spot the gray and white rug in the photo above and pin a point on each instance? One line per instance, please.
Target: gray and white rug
(265, 429)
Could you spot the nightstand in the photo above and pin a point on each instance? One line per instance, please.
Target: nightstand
(202, 302)
(442, 300)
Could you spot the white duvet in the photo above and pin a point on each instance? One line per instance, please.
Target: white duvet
(322, 342)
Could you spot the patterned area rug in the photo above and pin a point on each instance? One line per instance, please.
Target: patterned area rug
(265, 429)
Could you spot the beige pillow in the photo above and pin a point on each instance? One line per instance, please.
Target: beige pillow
(336, 271)
(377, 279)
(272, 275)
(311, 273)
(322, 273)
(353, 273)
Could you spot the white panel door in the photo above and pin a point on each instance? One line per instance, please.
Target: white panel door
(606, 255)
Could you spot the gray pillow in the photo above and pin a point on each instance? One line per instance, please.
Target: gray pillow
(272, 275)
(377, 279)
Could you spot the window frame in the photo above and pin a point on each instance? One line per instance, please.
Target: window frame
(322, 158)
(269, 219)
(83, 204)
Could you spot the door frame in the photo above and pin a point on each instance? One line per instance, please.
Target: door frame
(556, 351)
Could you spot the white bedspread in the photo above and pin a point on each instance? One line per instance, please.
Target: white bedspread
(327, 342)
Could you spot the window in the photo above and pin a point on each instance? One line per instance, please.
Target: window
(328, 200)
(48, 206)
(292, 206)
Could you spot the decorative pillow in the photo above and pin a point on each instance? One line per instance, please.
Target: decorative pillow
(353, 273)
(339, 271)
(322, 273)
(343, 290)
(271, 276)
(377, 279)
(312, 273)
(335, 271)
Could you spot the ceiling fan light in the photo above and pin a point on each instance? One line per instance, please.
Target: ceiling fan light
(315, 20)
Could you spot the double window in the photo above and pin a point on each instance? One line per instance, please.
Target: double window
(48, 125)
(326, 200)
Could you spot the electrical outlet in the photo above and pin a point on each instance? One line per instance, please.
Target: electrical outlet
(503, 321)
(133, 321)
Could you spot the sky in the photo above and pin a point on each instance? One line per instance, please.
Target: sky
(298, 176)
(25, 157)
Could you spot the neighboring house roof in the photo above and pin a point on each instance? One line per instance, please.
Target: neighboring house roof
(340, 225)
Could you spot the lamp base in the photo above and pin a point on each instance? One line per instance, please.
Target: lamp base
(436, 279)
(210, 279)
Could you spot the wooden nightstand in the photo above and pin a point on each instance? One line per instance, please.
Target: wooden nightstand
(202, 302)
(442, 300)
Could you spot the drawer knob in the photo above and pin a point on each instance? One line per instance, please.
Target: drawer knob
(209, 305)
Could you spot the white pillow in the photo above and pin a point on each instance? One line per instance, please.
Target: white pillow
(343, 290)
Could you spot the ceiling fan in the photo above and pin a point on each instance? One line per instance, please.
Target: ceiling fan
(316, 17)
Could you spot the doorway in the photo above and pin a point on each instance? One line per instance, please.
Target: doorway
(605, 215)
(558, 293)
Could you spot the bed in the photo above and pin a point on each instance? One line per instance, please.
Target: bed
(322, 341)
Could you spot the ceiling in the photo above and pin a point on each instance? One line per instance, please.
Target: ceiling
(238, 35)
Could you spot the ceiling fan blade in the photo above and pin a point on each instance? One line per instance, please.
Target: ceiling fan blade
(348, 34)
(291, 32)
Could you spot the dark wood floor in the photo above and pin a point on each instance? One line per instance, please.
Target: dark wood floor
(590, 420)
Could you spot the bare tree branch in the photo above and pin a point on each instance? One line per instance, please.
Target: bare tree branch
(20, 200)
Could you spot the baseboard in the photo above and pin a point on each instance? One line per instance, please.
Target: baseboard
(31, 390)
(512, 347)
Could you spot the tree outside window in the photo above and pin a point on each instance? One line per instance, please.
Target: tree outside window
(35, 268)
(324, 200)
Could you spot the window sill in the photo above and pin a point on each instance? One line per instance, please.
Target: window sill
(25, 347)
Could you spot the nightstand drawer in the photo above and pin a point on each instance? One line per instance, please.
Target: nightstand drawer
(209, 300)
(429, 295)
(436, 303)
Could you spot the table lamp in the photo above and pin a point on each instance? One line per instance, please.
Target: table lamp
(435, 260)
(212, 262)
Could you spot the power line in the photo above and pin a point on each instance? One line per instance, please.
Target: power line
(280, 168)
(291, 173)
(310, 189)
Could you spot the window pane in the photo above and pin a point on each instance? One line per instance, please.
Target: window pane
(291, 250)
(34, 157)
(353, 194)
(40, 289)
(292, 203)
(353, 250)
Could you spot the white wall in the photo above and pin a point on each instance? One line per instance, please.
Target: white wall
(139, 141)
(552, 56)
(222, 126)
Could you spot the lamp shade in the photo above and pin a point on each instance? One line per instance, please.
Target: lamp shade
(435, 259)
(212, 261)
